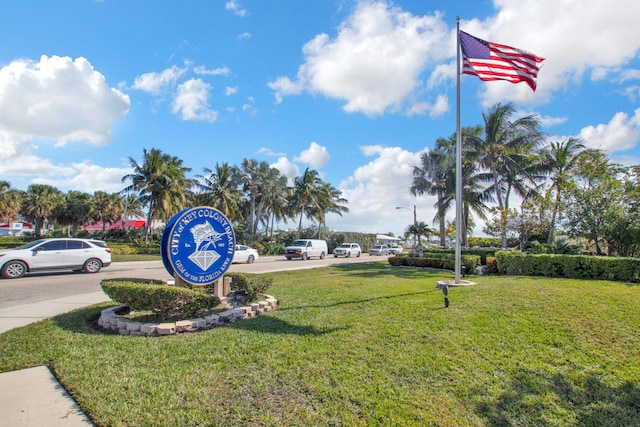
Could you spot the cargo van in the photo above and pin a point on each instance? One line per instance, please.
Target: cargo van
(306, 248)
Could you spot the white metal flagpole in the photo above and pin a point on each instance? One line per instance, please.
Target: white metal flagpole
(458, 161)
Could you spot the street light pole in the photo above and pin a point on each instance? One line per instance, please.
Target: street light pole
(415, 227)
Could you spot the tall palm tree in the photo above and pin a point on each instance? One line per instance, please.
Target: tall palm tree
(74, 211)
(220, 190)
(10, 202)
(251, 175)
(106, 208)
(431, 178)
(273, 197)
(160, 184)
(505, 148)
(38, 205)
(328, 200)
(561, 160)
(305, 193)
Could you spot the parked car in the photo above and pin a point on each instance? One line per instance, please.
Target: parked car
(86, 255)
(245, 254)
(379, 250)
(347, 250)
(395, 249)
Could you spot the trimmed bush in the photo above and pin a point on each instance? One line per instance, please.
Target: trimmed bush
(252, 284)
(443, 261)
(162, 299)
(516, 263)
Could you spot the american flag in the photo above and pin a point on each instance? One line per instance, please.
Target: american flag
(492, 61)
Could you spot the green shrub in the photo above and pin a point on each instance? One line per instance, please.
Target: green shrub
(516, 263)
(252, 284)
(443, 261)
(162, 299)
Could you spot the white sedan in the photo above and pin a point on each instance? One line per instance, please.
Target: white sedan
(245, 254)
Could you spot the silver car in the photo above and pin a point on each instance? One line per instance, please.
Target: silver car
(86, 255)
(379, 250)
(347, 250)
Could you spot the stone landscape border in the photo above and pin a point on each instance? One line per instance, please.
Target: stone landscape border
(112, 321)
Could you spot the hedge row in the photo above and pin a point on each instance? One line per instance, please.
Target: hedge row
(442, 261)
(162, 299)
(516, 263)
(252, 284)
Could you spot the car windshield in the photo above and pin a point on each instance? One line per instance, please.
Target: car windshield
(31, 244)
(299, 243)
(345, 246)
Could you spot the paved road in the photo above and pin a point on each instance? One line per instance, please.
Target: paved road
(40, 287)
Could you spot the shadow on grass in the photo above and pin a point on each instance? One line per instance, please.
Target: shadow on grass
(535, 398)
(273, 325)
(378, 269)
(359, 301)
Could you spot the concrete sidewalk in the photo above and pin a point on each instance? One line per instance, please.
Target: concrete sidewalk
(33, 397)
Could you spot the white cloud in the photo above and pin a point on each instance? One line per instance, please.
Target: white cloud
(620, 134)
(59, 98)
(243, 36)
(315, 156)
(373, 63)
(88, 178)
(375, 189)
(220, 71)
(286, 168)
(235, 7)
(228, 91)
(192, 101)
(154, 83)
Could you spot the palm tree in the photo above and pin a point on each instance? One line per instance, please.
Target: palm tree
(419, 229)
(160, 184)
(39, 203)
(561, 160)
(431, 178)
(10, 202)
(506, 147)
(74, 211)
(329, 200)
(305, 193)
(251, 174)
(220, 190)
(107, 208)
(273, 197)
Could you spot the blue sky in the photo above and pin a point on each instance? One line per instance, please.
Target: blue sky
(354, 89)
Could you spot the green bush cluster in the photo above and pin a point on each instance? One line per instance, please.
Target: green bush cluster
(443, 261)
(252, 284)
(162, 299)
(483, 253)
(134, 249)
(516, 263)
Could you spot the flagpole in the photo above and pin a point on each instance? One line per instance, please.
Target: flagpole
(458, 160)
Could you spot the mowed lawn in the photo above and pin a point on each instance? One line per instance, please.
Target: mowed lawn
(366, 345)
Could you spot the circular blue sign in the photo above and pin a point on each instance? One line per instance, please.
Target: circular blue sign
(199, 245)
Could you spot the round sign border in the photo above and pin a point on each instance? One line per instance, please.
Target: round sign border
(175, 222)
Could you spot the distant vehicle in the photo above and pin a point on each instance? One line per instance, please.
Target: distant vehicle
(347, 250)
(246, 254)
(395, 249)
(379, 250)
(86, 255)
(306, 248)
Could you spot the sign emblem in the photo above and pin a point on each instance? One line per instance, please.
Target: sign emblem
(198, 245)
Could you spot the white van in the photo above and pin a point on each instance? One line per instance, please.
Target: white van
(306, 248)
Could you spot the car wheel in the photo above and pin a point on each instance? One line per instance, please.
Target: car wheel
(14, 269)
(92, 266)
(304, 256)
(250, 259)
(358, 255)
(288, 258)
(348, 255)
(335, 256)
(322, 255)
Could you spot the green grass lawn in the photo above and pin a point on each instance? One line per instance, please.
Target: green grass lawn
(365, 345)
